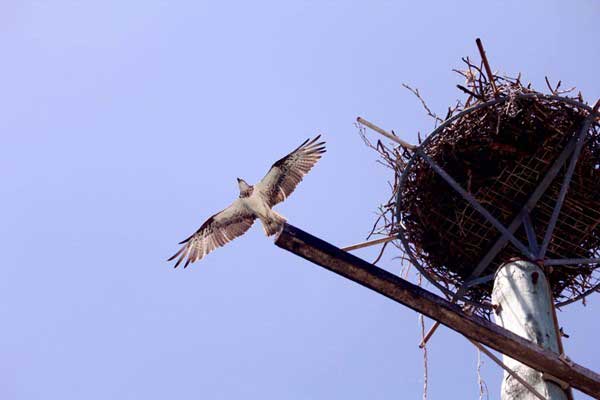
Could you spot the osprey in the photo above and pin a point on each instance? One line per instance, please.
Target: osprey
(254, 202)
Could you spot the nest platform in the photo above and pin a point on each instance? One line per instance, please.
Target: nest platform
(499, 148)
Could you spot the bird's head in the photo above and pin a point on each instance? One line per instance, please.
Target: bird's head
(245, 189)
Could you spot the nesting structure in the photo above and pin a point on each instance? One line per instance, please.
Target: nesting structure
(500, 148)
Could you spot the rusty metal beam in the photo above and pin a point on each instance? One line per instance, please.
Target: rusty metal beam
(485, 332)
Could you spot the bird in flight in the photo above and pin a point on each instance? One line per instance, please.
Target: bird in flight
(254, 202)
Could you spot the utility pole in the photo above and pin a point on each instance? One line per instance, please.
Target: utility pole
(506, 157)
(521, 297)
(523, 305)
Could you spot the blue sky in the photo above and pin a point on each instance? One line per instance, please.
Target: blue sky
(125, 124)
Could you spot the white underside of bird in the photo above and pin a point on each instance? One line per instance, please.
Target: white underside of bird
(254, 202)
(256, 205)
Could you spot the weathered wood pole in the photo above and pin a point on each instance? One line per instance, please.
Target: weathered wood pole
(523, 304)
(473, 327)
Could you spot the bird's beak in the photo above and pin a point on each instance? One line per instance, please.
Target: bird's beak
(238, 179)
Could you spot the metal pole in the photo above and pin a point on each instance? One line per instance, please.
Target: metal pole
(523, 304)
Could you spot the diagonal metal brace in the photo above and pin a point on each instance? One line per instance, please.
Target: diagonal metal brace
(566, 182)
(503, 239)
(476, 205)
(530, 232)
(529, 205)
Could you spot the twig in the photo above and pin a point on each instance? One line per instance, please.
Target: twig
(555, 91)
(507, 369)
(486, 64)
(381, 254)
(369, 243)
(480, 381)
(429, 112)
(385, 133)
(469, 92)
(430, 332)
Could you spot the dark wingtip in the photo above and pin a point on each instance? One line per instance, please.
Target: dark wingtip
(315, 139)
(303, 143)
(178, 262)
(176, 254)
(307, 143)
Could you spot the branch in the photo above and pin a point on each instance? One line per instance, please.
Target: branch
(429, 112)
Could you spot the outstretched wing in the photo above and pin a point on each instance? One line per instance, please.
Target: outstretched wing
(218, 230)
(286, 174)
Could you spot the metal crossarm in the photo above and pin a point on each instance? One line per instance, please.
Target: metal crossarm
(572, 261)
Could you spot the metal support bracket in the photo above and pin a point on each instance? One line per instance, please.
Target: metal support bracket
(565, 185)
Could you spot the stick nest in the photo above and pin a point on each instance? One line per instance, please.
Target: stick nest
(499, 154)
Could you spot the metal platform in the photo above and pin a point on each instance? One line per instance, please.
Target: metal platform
(539, 203)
